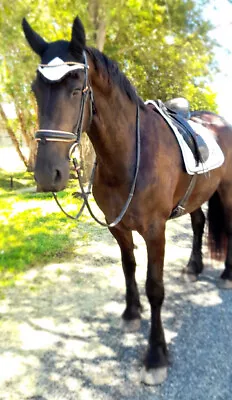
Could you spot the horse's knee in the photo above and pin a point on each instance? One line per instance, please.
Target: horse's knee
(155, 292)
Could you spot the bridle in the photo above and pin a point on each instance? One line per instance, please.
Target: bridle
(51, 135)
(43, 135)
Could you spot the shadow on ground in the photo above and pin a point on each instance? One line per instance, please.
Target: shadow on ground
(61, 337)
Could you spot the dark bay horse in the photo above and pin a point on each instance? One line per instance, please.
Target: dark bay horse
(110, 121)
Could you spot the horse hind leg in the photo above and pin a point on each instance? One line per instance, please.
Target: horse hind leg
(220, 228)
(131, 317)
(195, 264)
(226, 276)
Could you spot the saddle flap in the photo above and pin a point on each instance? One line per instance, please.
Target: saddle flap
(202, 148)
(178, 111)
(210, 155)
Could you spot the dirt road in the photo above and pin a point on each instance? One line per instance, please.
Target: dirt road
(60, 335)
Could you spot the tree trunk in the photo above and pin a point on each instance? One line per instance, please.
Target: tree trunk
(13, 136)
(101, 35)
(98, 20)
(29, 139)
(32, 156)
(87, 157)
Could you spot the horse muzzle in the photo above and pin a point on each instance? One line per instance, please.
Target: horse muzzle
(52, 181)
(52, 161)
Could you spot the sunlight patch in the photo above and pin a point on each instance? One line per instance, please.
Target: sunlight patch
(86, 394)
(113, 307)
(170, 335)
(72, 384)
(75, 326)
(44, 323)
(33, 205)
(4, 307)
(34, 340)
(15, 365)
(64, 278)
(31, 275)
(88, 351)
(206, 299)
(102, 375)
(64, 267)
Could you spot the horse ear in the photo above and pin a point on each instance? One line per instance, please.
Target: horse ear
(77, 43)
(37, 43)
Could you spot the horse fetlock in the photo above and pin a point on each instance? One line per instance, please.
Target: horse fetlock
(189, 276)
(227, 273)
(194, 267)
(156, 356)
(132, 312)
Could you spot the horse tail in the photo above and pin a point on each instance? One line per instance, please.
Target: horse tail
(217, 239)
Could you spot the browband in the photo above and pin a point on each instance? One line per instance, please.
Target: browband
(57, 68)
(54, 71)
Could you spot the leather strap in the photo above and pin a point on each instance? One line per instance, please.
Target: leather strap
(45, 135)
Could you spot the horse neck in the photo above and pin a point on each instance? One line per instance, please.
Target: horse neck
(113, 132)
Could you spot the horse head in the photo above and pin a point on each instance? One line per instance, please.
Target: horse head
(61, 90)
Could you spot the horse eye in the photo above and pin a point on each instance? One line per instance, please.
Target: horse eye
(76, 91)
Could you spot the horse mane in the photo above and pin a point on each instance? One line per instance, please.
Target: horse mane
(111, 69)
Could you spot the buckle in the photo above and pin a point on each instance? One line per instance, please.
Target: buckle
(74, 152)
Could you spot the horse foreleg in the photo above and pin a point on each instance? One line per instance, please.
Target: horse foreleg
(195, 264)
(132, 315)
(155, 369)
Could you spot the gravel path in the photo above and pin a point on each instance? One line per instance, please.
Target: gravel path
(60, 335)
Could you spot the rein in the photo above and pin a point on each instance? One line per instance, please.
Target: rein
(128, 201)
(44, 135)
(85, 194)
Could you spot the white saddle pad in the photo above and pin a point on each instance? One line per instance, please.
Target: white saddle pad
(216, 156)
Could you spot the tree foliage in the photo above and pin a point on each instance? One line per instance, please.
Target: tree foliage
(163, 46)
(167, 51)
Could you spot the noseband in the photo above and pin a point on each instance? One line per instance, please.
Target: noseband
(50, 135)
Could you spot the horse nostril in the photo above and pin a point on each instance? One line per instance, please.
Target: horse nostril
(57, 178)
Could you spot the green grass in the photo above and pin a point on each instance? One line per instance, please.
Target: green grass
(33, 230)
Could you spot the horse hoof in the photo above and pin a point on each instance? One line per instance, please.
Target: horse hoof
(154, 376)
(130, 326)
(224, 284)
(189, 278)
